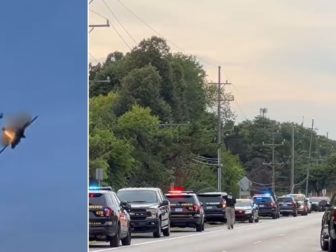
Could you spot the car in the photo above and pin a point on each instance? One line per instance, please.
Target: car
(246, 209)
(214, 205)
(186, 210)
(316, 204)
(149, 210)
(309, 205)
(328, 227)
(301, 202)
(268, 207)
(108, 217)
(287, 206)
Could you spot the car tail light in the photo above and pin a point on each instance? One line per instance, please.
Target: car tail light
(273, 204)
(223, 204)
(107, 212)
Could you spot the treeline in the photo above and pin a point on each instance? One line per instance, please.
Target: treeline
(150, 121)
(152, 124)
(247, 138)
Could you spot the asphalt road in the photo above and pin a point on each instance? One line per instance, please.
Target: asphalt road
(285, 234)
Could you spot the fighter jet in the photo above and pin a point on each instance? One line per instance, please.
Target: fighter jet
(15, 131)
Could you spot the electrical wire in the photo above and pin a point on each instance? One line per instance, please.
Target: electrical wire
(117, 19)
(148, 26)
(98, 14)
(93, 57)
(120, 36)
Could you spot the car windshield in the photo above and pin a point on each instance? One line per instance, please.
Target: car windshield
(243, 203)
(285, 199)
(209, 198)
(138, 196)
(315, 199)
(97, 199)
(262, 199)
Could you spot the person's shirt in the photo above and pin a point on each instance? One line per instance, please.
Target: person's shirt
(230, 201)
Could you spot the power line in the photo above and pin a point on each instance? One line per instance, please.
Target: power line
(116, 18)
(148, 26)
(93, 57)
(98, 14)
(121, 37)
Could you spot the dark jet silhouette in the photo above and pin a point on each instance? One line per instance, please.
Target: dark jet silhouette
(15, 131)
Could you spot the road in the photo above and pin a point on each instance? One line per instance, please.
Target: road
(284, 234)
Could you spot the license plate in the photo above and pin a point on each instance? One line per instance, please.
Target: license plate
(261, 205)
(178, 210)
(210, 207)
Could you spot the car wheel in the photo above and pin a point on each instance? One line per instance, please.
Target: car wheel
(273, 216)
(199, 227)
(257, 220)
(324, 244)
(332, 245)
(251, 219)
(166, 232)
(157, 232)
(127, 239)
(115, 240)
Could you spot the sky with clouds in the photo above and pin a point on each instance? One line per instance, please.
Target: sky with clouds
(278, 54)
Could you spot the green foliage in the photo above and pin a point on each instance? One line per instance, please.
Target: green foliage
(151, 119)
(247, 142)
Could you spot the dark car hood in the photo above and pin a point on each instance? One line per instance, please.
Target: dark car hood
(143, 205)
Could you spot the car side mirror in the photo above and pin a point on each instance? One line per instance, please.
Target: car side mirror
(165, 202)
(125, 205)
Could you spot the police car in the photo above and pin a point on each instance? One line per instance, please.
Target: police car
(108, 217)
(186, 210)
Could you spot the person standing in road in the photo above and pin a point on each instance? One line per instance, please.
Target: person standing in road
(230, 210)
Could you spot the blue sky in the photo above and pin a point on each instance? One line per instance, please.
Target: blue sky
(43, 65)
(278, 54)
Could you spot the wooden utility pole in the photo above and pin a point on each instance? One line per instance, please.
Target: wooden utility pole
(292, 163)
(273, 145)
(220, 95)
(309, 157)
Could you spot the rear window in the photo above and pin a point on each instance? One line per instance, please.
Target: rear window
(243, 203)
(210, 198)
(138, 196)
(97, 199)
(262, 199)
(285, 199)
(181, 198)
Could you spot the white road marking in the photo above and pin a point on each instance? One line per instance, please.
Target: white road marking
(257, 242)
(219, 229)
(171, 239)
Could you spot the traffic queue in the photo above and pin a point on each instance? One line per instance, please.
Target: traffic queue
(115, 216)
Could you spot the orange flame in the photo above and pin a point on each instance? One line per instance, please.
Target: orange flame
(8, 136)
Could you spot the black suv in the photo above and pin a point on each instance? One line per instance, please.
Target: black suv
(186, 210)
(214, 205)
(149, 210)
(328, 227)
(108, 218)
(267, 205)
(287, 206)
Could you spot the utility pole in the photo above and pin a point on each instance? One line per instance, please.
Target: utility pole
(292, 163)
(219, 130)
(98, 25)
(309, 156)
(273, 145)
